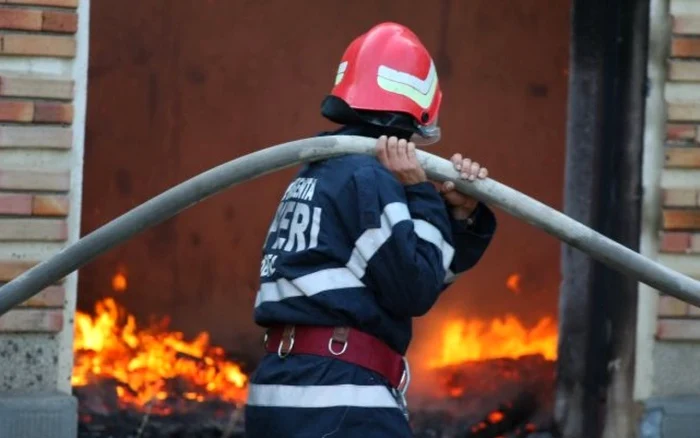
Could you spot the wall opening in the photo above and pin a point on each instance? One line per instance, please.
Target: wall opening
(175, 89)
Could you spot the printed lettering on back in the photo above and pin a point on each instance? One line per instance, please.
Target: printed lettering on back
(296, 224)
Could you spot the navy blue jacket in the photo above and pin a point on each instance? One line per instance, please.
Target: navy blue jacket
(351, 246)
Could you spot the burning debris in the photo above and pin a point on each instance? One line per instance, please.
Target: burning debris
(499, 365)
(149, 366)
(518, 390)
(509, 417)
(150, 382)
(210, 420)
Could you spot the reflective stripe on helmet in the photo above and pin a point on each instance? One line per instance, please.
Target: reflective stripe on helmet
(421, 91)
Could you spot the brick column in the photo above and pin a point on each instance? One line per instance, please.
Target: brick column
(668, 335)
(43, 73)
(679, 235)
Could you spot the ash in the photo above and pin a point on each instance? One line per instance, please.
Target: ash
(129, 424)
(102, 416)
(508, 398)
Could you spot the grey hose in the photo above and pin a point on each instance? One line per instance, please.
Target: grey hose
(188, 193)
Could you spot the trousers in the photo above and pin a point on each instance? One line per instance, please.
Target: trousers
(303, 396)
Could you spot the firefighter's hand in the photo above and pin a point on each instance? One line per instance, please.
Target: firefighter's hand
(462, 205)
(399, 156)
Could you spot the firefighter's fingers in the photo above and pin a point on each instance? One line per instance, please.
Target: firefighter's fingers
(465, 168)
(411, 152)
(381, 150)
(452, 196)
(483, 173)
(402, 153)
(391, 148)
(474, 171)
(447, 186)
(457, 161)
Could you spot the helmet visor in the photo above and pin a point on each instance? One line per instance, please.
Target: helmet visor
(427, 135)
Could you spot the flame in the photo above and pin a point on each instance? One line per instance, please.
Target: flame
(109, 345)
(513, 283)
(464, 340)
(495, 417)
(119, 282)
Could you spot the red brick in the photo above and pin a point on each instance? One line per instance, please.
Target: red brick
(50, 137)
(680, 131)
(55, 21)
(680, 198)
(57, 3)
(670, 306)
(52, 296)
(32, 321)
(26, 86)
(9, 269)
(685, 47)
(15, 204)
(34, 180)
(53, 112)
(675, 242)
(16, 111)
(33, 230)
(50, 205)
(38, 45)
(20, 19)
(678, 329)
(681, 219)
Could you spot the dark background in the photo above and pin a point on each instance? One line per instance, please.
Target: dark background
(177, 87)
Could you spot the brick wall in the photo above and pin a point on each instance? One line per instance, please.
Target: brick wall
(667, 352)
(679, 240)
(43, 55)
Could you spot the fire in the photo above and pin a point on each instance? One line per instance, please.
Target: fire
(465, 340)
(143, 362)
(119, 282)
(496, 416)
(513, 283)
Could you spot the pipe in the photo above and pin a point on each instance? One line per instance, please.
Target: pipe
(198, 188)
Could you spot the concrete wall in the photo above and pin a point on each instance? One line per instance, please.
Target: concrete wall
(43, 72)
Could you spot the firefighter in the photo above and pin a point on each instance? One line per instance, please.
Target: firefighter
(358, 247)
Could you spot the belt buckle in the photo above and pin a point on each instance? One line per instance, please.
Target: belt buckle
(400, 391)
(287, 333)
(405, 378)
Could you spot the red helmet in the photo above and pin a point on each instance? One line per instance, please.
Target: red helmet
(388, 69)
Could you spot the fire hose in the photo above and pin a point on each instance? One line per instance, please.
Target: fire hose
(257, 164)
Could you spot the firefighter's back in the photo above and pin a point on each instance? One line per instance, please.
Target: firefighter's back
(307, 280)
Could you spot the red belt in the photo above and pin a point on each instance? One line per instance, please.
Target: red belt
(342, 343)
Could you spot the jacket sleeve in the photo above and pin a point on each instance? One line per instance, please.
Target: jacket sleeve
(403, 246)
(471, 239)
